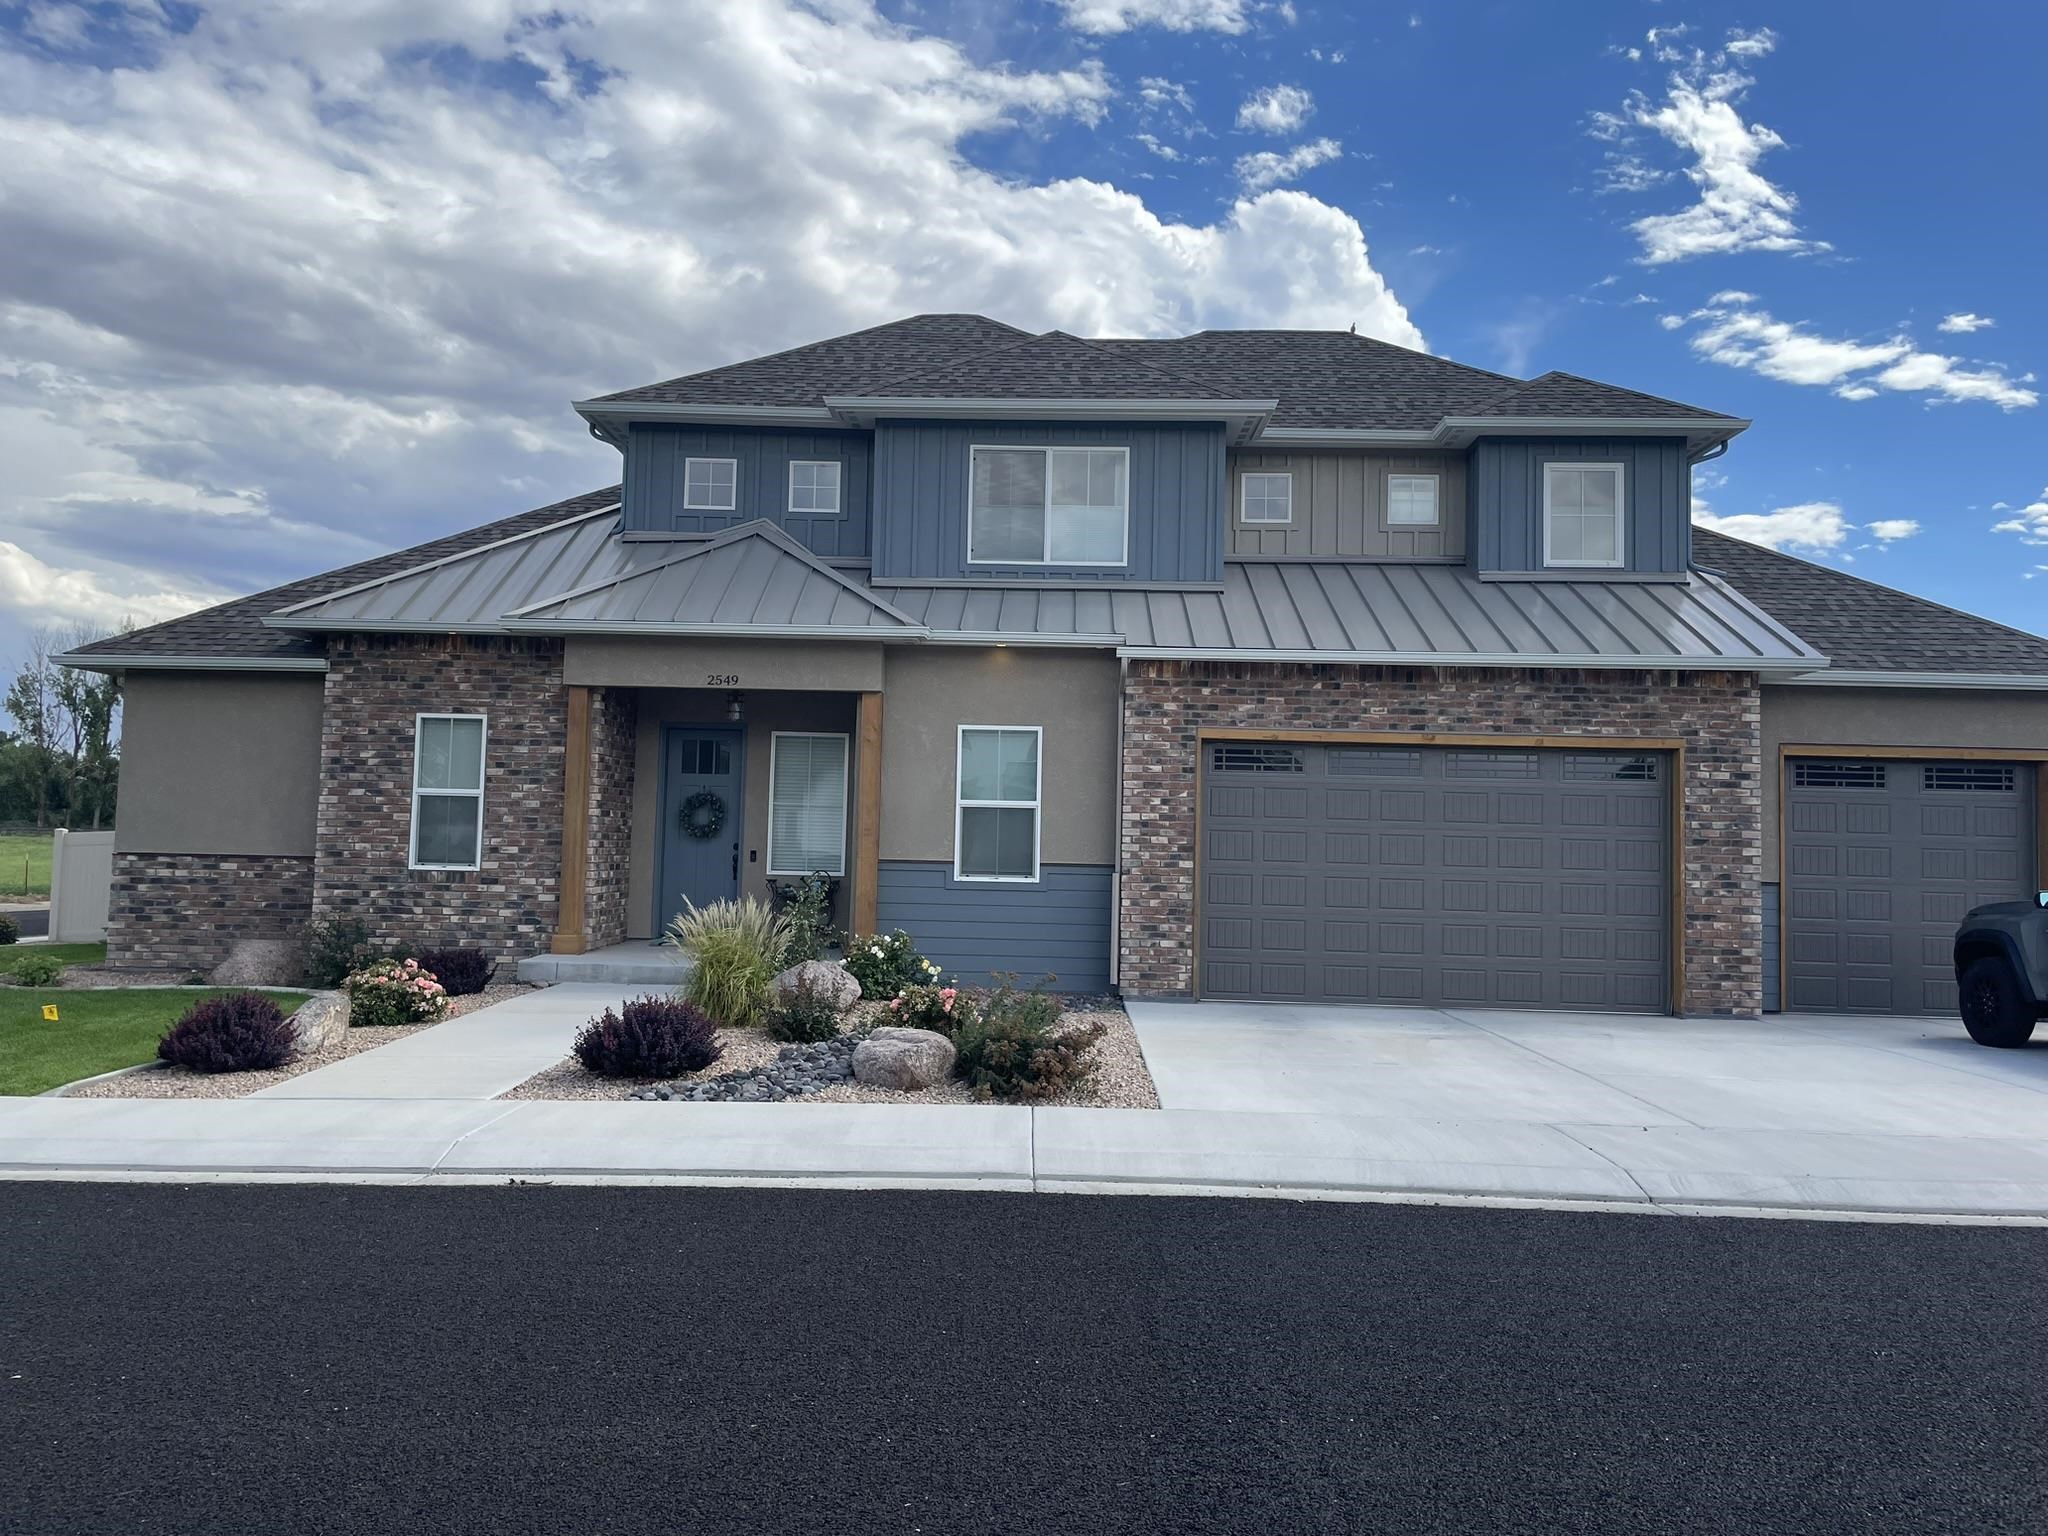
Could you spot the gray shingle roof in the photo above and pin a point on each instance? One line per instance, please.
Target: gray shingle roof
(1566, 394)
(1865, 627)
(1052, 366)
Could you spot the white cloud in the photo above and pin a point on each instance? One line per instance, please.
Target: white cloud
(1163, 151)
(1629, 173)
(1734, 332)
(1751, 45)
(32, 586)
(1813, 526)
(1426, 250)
(297, 282)
(1889, 530)
(2029, 522)
(1963, 324)
(1276, 109)
(1270, 168)
(1104, 17)
(1159, 93)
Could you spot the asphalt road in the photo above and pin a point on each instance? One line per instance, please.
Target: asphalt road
(283, 1359)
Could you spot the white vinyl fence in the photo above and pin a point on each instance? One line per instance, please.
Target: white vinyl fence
(81, 873)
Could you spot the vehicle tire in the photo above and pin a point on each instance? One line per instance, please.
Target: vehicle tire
(1993, 1010)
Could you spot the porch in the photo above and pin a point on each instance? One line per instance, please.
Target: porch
(633, 963)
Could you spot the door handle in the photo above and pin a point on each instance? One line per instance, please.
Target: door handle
(735, 861)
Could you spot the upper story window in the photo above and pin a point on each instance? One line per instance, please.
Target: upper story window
(1268, 499)
(814, 487)
(710, 485)
(447, 791)
(1049, 506)
(1412, 501)
(1582, 514)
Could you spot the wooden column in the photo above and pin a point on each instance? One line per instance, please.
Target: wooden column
(867, 813)
(571, 936)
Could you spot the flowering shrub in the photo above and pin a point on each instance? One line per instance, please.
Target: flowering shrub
(926, 1006)
(391, 992)
(884, 964)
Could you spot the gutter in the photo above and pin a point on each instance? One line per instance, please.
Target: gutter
(1762, 665)
(111, 662)
(1845, 677)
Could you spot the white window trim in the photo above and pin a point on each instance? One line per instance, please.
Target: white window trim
(1244, 516)
(710, 506)
(1620, 517)
(1047, 449)
(483, 743)
(838, 489)
(1436, 500)
(845, 791)
(1037, 805)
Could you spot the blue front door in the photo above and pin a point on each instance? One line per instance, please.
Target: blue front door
(701, 782)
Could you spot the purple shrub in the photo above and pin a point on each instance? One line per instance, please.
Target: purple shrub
(234, 1032)
(649, 1037)
(461, 972)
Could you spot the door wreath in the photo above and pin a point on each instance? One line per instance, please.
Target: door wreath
(702, 815)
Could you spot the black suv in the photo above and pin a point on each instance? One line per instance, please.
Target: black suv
(2002, 970)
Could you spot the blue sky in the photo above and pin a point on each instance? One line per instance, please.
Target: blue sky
(286, 288)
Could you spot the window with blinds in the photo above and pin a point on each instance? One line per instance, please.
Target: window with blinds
(806, 803)
(1048, 506)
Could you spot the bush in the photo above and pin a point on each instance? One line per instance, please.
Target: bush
(235, 1032)
(884, 964)
(9, 929)
(1012, 1052)
(335, 947)
(37, 970)
(807, 908)
(735, 949)
(809, 1015)
(461, 972)
(393, 992)
(648, 1037)
(945, 1009)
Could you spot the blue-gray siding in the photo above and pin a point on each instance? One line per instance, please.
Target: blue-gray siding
(1505, 495)
(1771, 998)
(1177, 495)
(1060, 925)
(654, 482)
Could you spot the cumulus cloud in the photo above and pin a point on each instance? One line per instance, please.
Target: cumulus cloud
(81, 596)
(1963, 324)
(2029, 522)
(296, 283)
(1816, 527)
(1889, 530)
(1270, 168)
(1734, 331)
(1105, 17)
(1276, 109)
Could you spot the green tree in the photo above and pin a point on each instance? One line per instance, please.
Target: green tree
(69, 722)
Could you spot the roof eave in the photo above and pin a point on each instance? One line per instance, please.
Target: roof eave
(879, 633)
(1243, 419)
(1462, 431)
(1763, 665)
(148, 662)
(1850, 677)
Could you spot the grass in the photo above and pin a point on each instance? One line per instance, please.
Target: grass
(70, 954)
(24, 864)
(95, 1031)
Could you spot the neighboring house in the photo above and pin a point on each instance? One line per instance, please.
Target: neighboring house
(1253, 664)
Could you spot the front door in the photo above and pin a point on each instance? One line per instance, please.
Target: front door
(702, 818)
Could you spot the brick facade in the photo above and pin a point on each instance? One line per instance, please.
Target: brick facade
(614, 723)
(175, 910)
(375, 687)
(1717, 716)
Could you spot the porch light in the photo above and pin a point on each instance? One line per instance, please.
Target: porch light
(735, 711)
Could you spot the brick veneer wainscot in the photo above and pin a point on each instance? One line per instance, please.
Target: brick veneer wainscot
(185, 910)
(614, 722)
(1716, 715)
(376, 685)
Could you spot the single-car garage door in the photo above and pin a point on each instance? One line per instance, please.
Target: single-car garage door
(1438, 876)
(1882, 859)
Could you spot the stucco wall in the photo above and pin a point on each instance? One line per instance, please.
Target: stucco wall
(625, 661)
(1888, 717)
(219, 763)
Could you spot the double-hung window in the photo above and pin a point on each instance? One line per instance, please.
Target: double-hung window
(1582, 514)
(806, 803)
(1268, 499)
(995, 833)
(1411, 501)
(1048, 506)
(447, 792)
(814, 487)
(710, 485)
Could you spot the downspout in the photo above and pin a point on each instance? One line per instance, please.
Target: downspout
(1116, 876)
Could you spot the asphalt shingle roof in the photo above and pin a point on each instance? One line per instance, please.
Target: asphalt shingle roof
(1862, 626)
(1566, 394)
(1052, 366)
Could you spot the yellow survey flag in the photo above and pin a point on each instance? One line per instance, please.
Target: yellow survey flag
(49, 1013)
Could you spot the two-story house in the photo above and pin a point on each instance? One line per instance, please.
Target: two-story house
(1253, 664)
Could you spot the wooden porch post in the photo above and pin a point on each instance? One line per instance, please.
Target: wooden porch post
(571, 937)
(867, 816)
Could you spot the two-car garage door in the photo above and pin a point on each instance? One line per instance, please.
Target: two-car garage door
(1438, 876)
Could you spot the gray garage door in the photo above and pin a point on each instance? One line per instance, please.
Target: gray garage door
(1435, 876)
(1882, 857)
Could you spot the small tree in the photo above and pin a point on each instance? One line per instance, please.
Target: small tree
(69, 724)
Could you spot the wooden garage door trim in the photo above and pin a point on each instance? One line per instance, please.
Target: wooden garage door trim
(1675, 855)
(1789, 750)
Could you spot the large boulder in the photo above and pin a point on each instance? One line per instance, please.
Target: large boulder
(319, 1022)
(822, 977)
(903, 1059)
(260, 963)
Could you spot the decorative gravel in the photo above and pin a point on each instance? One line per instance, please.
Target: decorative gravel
(184, 1083)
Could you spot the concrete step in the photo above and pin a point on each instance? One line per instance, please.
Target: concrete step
(632, 964)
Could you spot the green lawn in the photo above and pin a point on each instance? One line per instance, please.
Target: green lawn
(24, 864)
(95, 1031)
(12, 955)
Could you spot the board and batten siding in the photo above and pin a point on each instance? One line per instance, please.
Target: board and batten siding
(1340, 507)
(1058, 926)
(654, 483)
(1506, 501)
(1177, 480)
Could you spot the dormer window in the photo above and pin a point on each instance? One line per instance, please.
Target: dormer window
(1582, 514)
(709, 485)
(1048, 506)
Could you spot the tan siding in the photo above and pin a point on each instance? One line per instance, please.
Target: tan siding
(217, 763)
(1340, 507)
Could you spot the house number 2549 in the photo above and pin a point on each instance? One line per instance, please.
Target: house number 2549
(721, 679)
